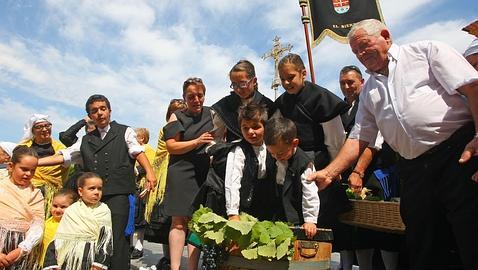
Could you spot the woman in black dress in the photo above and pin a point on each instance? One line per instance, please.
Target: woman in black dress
(186, 135)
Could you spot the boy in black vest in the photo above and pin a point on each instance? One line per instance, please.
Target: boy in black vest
(300, 199)
(242, 174)
(110, 151)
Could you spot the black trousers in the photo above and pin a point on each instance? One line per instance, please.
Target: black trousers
(119, 207)
(438, 193)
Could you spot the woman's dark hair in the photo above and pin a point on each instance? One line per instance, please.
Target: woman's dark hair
(193, 81)
(22, 150)
(94, 98)
(87, 175)
(247, 67)
(174, 105)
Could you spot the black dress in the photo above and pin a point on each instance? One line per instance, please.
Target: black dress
(186, 172)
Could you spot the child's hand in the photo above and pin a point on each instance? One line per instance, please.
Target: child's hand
(95, 268)
(14, 255)
(234, 217)
(310, 229)
(3, 261)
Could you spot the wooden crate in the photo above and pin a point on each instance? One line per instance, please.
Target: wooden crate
(375, 215)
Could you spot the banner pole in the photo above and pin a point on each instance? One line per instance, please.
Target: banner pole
(305, 22)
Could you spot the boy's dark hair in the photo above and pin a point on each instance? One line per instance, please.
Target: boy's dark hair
(67, 193)
(253, 112)
(351, 68)
(95, 98)
(292, 58)
(246, 66)
(279, 129)
(87, 175)
(22, 150)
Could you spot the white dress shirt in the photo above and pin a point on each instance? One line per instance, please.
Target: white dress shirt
(416, 106)
(310, 192)
(234, 172)
(72, 154)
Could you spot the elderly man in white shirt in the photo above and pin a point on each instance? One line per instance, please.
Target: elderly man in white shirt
(423, 98)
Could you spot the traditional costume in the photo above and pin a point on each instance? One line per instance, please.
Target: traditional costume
(241, 179)
(316, 113)
(84, 239)
(188, 171)
(21, 221)
(49, 179)
(226, 111)
(51, 225)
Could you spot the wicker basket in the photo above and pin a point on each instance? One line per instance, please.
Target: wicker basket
(375, 215)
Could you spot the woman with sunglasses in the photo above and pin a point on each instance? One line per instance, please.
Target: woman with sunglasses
(186, 134)
(244, 90)
(49, 179)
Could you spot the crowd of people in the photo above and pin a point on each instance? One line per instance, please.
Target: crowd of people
(409, 131)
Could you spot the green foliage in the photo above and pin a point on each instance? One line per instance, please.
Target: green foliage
(256, 239)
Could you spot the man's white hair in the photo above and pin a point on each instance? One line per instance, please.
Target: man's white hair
(372, 27)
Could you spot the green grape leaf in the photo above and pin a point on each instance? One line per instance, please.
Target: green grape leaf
(217, 236)
(250, 254)
(242, 226)
(283, 248)
(268, 251)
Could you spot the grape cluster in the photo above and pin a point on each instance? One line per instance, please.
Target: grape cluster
(212, 257)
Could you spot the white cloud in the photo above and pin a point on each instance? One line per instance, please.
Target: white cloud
(445, 31)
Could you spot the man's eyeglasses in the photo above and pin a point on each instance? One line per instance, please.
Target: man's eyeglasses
(40, 127)
(240, 84)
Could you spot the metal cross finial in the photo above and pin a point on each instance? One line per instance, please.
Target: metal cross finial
(276, 53)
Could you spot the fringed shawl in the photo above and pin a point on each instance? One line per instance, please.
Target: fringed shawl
(160, 166)
(79, 226)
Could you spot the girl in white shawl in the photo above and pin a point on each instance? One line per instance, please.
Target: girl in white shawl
(83, 240)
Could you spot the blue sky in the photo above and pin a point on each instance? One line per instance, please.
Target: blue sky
(56, 53)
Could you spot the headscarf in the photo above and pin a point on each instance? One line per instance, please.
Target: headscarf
(35, 118)
(8, 147)
(472, 48)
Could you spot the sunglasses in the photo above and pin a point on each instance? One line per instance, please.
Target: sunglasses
(192, 80)
(40, 127)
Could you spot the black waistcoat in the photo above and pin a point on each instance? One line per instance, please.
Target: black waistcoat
(228, 107)
(292, 190)
(257, 196)
(109, 158)
(308, 108)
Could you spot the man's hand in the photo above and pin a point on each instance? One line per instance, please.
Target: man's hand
(321, 178)
(355, 182)
(471, 150)
(310, 229)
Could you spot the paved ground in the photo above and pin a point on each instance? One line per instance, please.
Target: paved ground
(153, 252)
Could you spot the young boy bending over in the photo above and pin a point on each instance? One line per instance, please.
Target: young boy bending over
(299, 198)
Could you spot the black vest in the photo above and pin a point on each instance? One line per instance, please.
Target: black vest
(109, 158)
(292, 189)
(257, 196)
(308, 108)
(228, 107)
